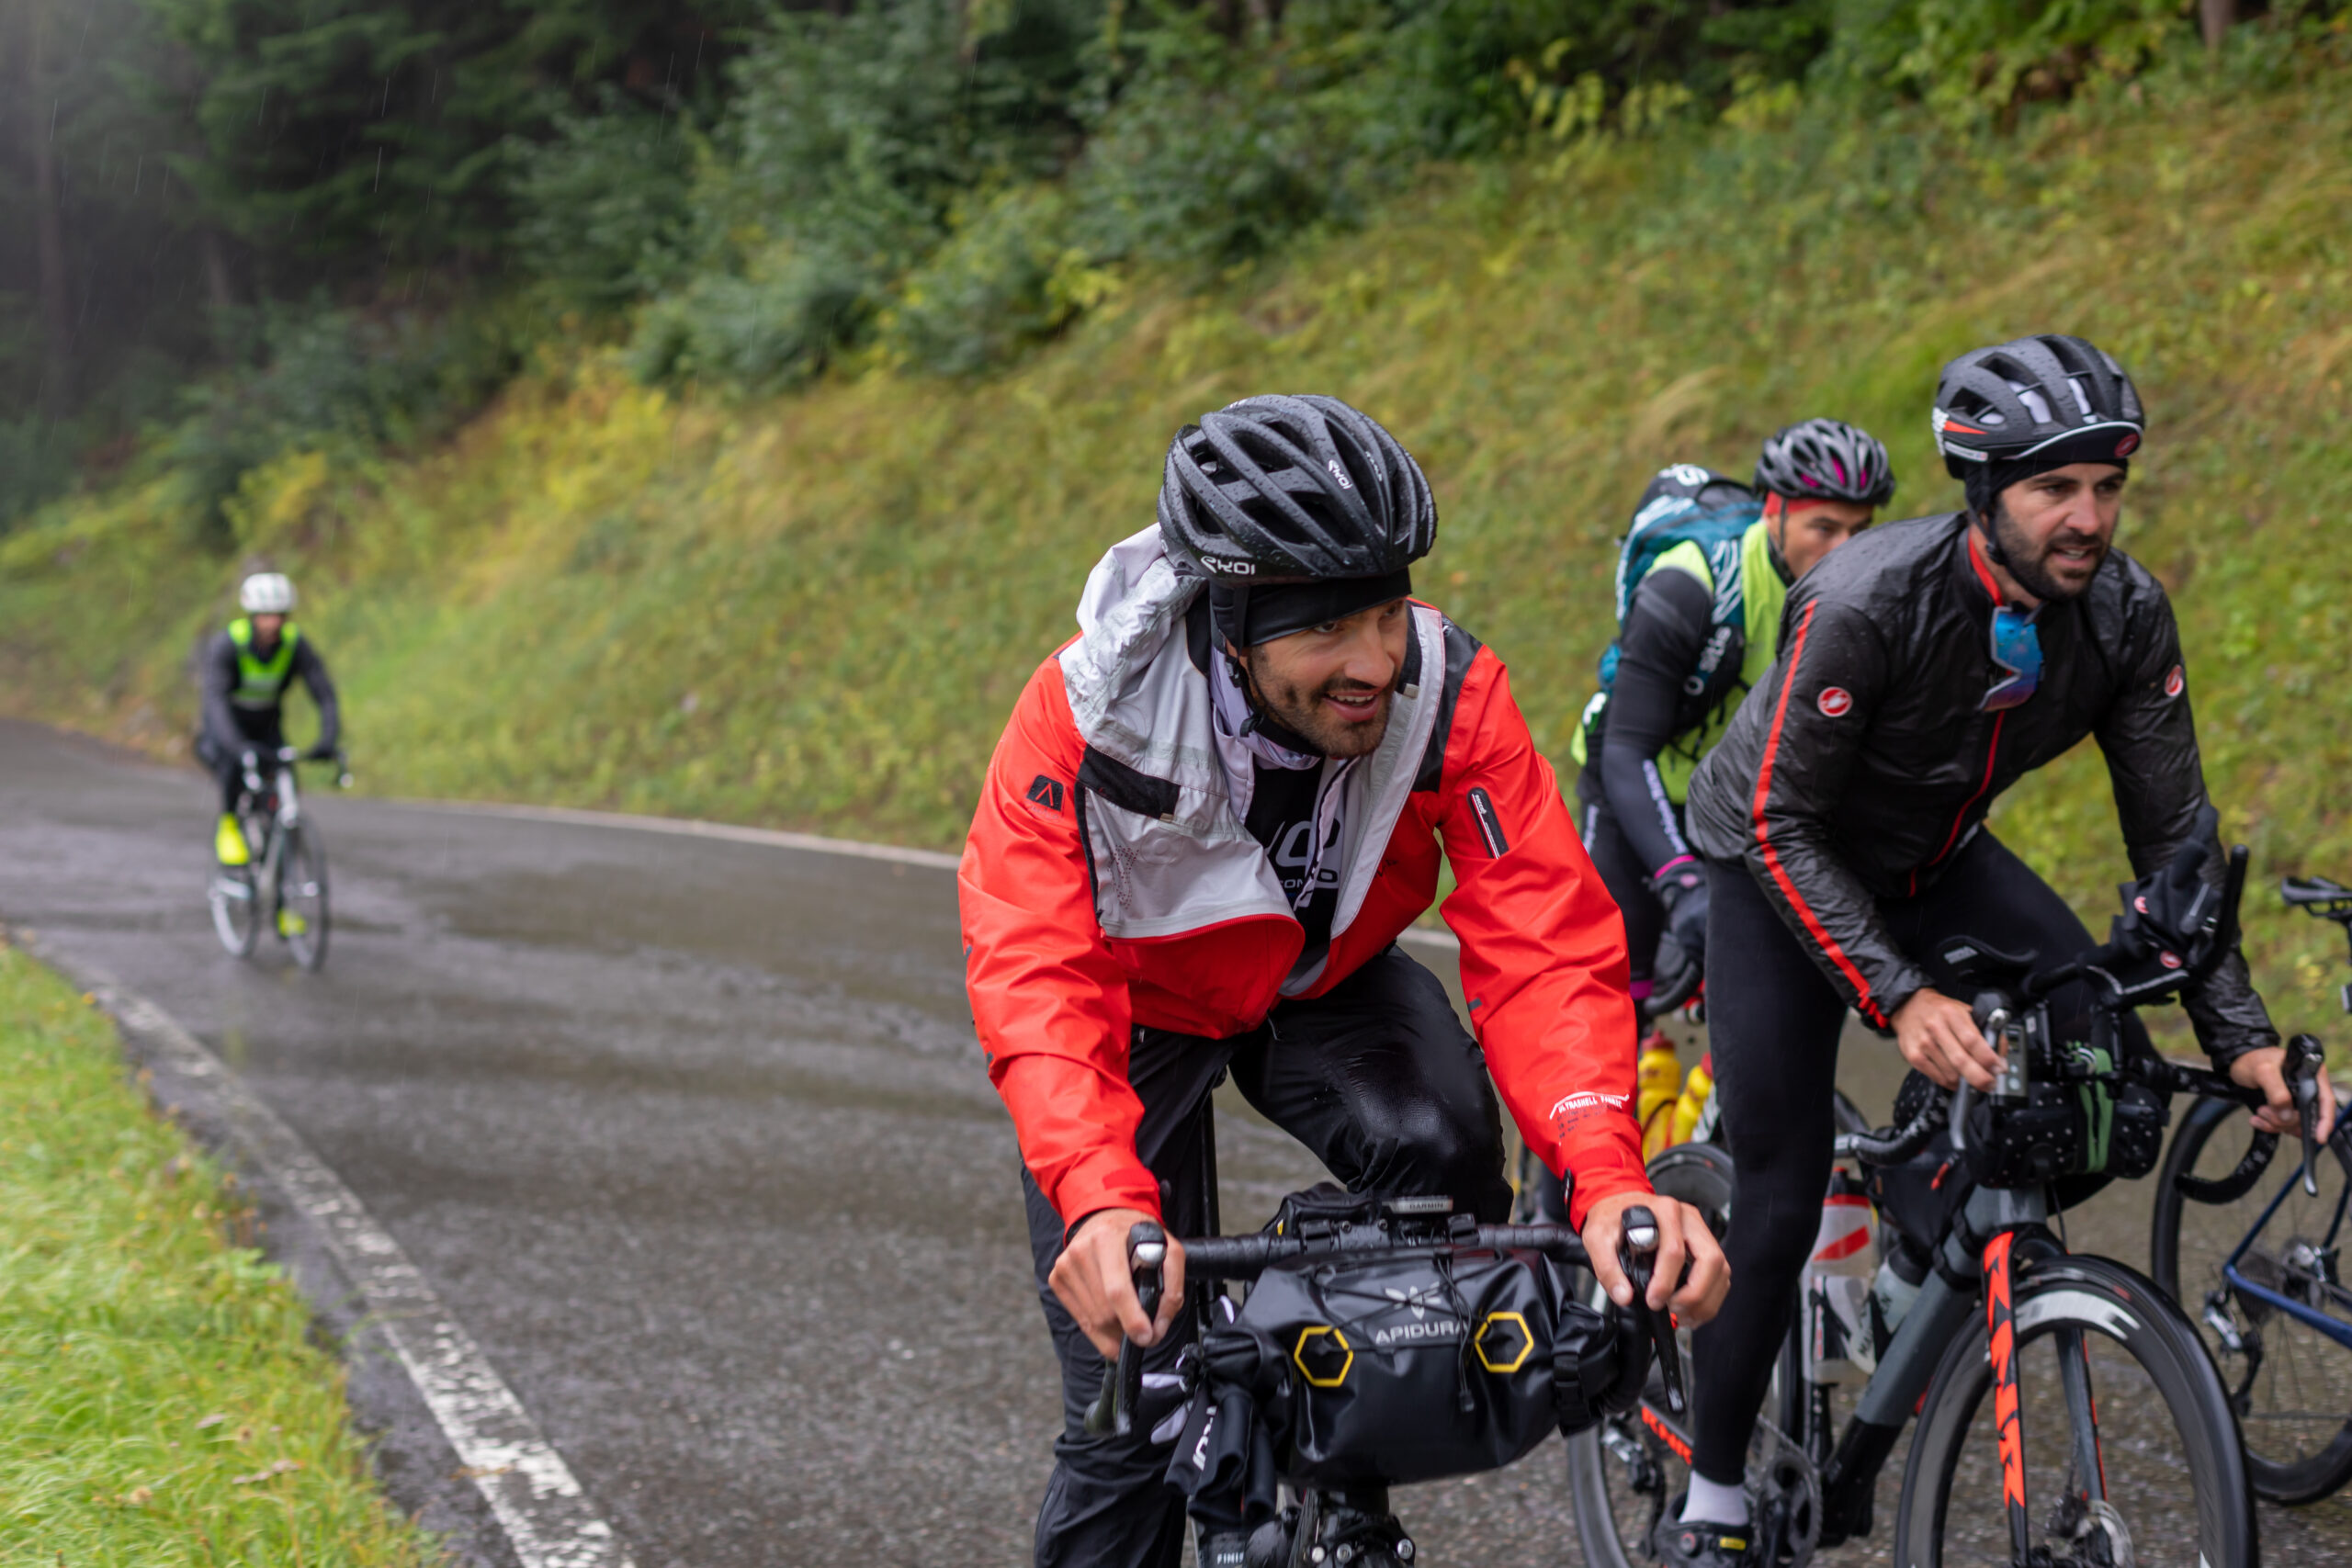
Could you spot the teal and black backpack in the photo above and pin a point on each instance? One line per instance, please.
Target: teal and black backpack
(1687, 504)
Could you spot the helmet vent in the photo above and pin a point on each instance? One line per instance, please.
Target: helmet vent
(2035, 403)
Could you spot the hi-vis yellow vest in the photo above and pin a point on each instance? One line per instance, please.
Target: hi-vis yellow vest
(261, 684)
(1762, 595)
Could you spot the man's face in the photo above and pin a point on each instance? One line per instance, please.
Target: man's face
(267, 627)
(1332, 684)
(1808, 530)
(2056, 527)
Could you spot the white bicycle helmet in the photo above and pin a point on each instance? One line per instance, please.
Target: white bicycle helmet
(265, 594)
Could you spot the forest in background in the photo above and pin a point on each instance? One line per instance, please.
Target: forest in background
(232, 228)
(569, 534)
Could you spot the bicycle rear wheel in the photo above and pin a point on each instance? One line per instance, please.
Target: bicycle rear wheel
(302, 896)
(2161, 1439)
(2289, 1382)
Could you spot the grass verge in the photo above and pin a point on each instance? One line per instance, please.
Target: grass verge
(161, 1403)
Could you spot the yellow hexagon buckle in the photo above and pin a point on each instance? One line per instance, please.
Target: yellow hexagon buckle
(1503, 1342)
(1324, 1361)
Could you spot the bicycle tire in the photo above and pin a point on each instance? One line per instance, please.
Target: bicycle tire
(2294, 1458)
(235, 904)
(1700, 1175)
(2106, 1303)
(302, 914)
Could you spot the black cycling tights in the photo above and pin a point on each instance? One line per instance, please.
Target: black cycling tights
(1773, 1022)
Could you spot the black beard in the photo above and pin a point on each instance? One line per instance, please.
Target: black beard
(2029, 566)
(1300, 712)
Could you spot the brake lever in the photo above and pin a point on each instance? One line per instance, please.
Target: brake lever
(2304, 1057)
(1637, 1255)
(1114, 1410)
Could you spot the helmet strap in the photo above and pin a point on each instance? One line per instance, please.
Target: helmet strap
(1257, 715)
(1989, 537)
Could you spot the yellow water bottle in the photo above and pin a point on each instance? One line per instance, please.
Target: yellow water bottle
(1696, 1090)
(1657, 1076)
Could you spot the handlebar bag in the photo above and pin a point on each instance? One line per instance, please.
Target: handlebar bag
(1395, 1367)
(2068, 1128)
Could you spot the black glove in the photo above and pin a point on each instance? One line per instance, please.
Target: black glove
(321, 753)
(1682, 888)
(1674, 978)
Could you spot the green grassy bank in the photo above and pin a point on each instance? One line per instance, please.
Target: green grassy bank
(159, 1401)
(815, 611)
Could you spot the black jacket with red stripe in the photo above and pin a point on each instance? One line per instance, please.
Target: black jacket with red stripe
(1864, 760)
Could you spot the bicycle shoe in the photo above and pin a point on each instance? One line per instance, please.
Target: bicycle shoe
(229, 844)
(1696, 1545)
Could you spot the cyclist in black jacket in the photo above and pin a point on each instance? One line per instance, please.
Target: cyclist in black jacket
(1922, 671)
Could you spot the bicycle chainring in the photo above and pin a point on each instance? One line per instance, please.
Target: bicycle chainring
(1784, 1499)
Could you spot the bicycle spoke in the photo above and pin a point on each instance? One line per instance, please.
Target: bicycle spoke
(2089, 1477)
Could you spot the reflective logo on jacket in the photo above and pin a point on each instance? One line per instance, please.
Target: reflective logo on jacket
(261, 684)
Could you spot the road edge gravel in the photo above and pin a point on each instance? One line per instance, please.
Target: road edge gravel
(525, 1508)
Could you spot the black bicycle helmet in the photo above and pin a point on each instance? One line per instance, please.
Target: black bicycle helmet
(2049, 400)
(1292, 490)
(1825, 459)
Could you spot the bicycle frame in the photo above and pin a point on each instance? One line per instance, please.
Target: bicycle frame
(286, 813)
(1997, 1231)
(2250, 1290)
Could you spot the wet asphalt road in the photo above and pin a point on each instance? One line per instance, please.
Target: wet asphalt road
(693, 1137)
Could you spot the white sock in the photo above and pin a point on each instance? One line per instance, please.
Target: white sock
(1713, 1502)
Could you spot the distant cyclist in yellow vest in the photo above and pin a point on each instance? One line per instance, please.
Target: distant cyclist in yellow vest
(1702, 575)
(243, 675)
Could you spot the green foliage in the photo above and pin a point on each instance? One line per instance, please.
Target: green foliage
(1011, 277)
(381, 127)
(161, 1403)
(852, 142)
(604, 214)
(314, 374)
(36, 463)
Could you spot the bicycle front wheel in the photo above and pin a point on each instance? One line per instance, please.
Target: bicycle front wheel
(1625, 1472)
(236, 909)
(302, 896)
(2289, 1379)
(2126, 1434)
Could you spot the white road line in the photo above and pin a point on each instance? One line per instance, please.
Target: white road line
(536, 1500)
(694, 828)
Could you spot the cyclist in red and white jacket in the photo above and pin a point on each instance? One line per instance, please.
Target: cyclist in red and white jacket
(1211, 816)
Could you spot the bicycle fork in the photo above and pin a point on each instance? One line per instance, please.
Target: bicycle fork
(2000, 1317)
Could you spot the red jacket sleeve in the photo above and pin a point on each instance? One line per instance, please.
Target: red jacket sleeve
(1543, 948)
(1048, 998)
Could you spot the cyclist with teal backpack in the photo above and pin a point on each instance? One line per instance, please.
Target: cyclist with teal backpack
(1702, 574)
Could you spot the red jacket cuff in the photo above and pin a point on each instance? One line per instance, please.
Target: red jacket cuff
(1104, 1180)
